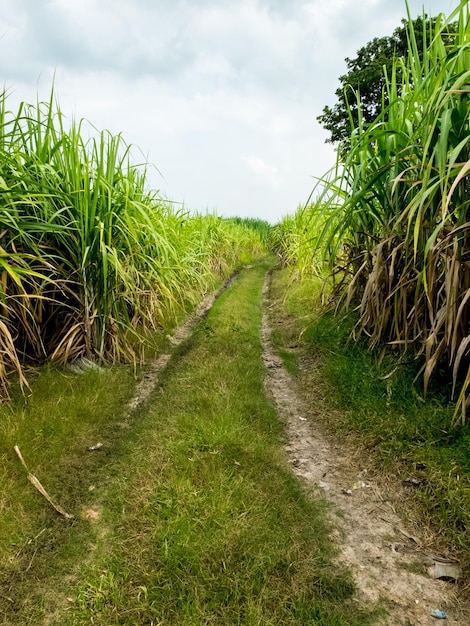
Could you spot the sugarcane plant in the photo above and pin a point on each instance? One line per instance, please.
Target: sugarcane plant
(394, 218)
(90, 259)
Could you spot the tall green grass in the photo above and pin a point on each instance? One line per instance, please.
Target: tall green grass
(394, 217)
(90, 258)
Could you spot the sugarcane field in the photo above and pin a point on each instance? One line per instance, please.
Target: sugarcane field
(251, 416)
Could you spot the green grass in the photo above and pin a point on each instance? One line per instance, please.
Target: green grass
(380, 409)
(226, 535)
(201, 520)
(65, 414)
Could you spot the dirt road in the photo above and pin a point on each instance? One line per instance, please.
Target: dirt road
(387, 562)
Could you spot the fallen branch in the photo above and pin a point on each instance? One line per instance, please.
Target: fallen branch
(35, 482)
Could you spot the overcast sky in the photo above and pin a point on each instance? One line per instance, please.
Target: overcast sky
(221, 96)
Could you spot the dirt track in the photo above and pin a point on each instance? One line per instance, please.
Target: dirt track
(372, 538)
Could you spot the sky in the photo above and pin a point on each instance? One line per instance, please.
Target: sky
(220, 97)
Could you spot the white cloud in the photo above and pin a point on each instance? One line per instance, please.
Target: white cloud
(261, 169)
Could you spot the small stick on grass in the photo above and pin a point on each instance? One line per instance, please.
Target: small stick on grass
(35, 482)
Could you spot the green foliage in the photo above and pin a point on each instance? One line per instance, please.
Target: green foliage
(366, 76)
(262, 227)
(90, 259)
(290, 241)
(392, 223)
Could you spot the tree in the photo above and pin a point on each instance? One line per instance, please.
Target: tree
(366, 76)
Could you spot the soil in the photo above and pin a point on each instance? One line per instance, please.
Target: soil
(388, 563)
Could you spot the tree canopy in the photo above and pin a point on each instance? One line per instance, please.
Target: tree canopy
(366, 76)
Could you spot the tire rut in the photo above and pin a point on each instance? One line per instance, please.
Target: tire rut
(371, 536)
(149, 380)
